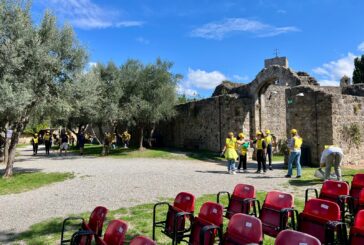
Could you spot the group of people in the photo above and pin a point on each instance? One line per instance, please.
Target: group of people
(110, 140)
(237, 148)
(62, 141)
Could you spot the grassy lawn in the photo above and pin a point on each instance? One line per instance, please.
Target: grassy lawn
(278, 158)
(18, 146)
(22, 182)
(139, 219)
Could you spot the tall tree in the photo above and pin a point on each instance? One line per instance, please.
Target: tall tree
(150, 94)
(36, 63)
(358, 74)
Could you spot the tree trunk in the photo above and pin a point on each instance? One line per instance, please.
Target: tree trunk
(141, 148)
(151, 132)
(11, 151)
(6, 150)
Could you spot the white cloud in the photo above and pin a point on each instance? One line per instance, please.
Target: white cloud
(92, 64)
(331, 73)
(86, 14)
(361, 47)
(203, 79)
(181, 89)
(219, 30)
(142, 40)
(129, 23)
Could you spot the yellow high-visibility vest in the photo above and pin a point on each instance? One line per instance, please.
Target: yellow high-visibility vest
(230, 143)
(35, 140)
(297, 142)
(268, 139)
(260, 144)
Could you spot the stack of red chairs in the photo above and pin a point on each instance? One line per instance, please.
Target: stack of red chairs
(357, 192)
(242, 200)
(335, 191)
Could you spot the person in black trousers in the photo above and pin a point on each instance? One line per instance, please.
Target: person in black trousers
(269, 140)
(261, 147)
(243, 152)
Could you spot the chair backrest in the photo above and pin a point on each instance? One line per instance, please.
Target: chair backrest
(322, 209)
(278, 200)
(212, 212)
(357, 230)
(185, 201)
(315, 216)
(270, 214)
(244, 191)
(142, 240)
(97, 219)
(295, 238)
(356, 185)
(361, 198)
(332, 189)
(244, 229)
(115, 232)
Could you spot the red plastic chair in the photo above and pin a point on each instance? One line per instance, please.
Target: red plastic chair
(94, 225)
(242, 200)
(207, 225)
(357, 230)
(290, 237)
(335, 191)
(243, 229)
(276, 211)
(356, 186)
(142, 240)
(321, 219)
(174, 226)
(115, 233)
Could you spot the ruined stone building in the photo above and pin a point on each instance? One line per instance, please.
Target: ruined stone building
(278, 99)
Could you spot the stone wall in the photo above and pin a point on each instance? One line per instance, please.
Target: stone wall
(348, 113)
(273, 110)
(311, 115)
(204, 124)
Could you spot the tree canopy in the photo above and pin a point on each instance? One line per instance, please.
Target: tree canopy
(358, 74)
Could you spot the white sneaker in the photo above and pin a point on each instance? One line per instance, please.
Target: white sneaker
(233, 172)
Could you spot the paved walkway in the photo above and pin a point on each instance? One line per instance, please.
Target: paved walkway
(115, 183)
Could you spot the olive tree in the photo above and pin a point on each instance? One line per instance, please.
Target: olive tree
(36, 63)
(150, 94)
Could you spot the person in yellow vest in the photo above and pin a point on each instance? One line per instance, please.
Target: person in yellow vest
(261, 148)
(125, 137)
(230, 153)
(35, 142)
(269, 141)
(294, 145)
(47, 141)
(243, 151)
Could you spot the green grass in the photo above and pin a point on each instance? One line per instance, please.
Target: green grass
(278, 158)
(22, 182)
(139, 219)
(18, 146)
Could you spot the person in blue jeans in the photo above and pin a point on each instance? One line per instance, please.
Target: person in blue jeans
(294, 145)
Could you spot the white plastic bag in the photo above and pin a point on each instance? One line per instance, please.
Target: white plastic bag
(319, 173)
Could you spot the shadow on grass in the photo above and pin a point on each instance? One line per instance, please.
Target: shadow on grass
(19, 171)
(309, 182)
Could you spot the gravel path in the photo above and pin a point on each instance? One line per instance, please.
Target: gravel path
(115, 183)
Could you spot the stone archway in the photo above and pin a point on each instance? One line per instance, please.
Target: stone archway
(269, 101)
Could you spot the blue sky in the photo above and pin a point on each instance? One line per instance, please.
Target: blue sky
(210, 41)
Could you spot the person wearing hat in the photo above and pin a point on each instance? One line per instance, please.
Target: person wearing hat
(35, 142)
(269, 140)
(261, 148)
(47, 141)
(294, 145)
(229, 152)
(332, 156)
(243, 151)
